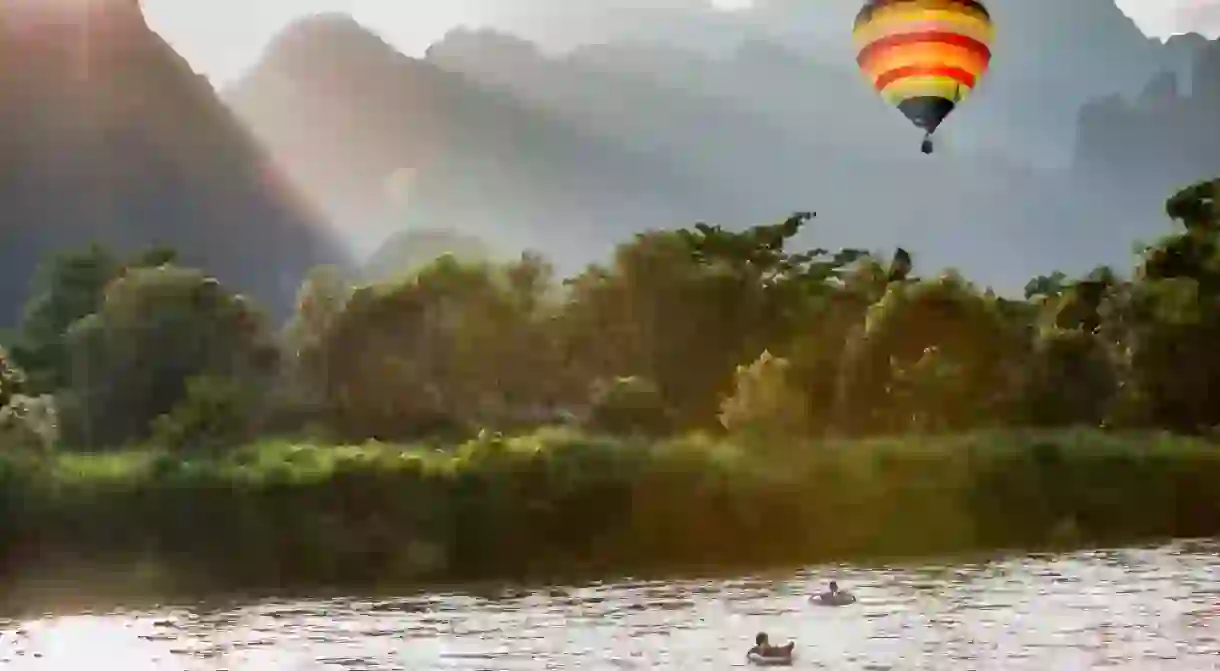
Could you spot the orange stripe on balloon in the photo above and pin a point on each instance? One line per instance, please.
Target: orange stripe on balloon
(928, 22)
(957, 74)
(930, 54)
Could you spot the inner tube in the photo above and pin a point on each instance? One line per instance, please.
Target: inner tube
(836, 599)
(770, 660)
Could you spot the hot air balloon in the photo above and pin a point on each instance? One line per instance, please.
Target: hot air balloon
(924, 56)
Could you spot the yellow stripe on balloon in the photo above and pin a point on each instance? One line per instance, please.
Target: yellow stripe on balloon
(929, 21)
(925, 86)
(912, 8)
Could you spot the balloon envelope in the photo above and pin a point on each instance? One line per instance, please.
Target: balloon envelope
(924, 56)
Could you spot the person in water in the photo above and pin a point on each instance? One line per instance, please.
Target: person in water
(833, 595)
(763, 648)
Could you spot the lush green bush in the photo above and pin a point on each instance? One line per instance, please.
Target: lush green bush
(765, 407)
(29, 423)
(216, 412)
(154, 330)
(26, 422)
(558, 501)
(664, 335)
(628, 405)
(12, 378)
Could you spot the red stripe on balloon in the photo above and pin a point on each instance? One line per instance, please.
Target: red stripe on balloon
(924, 37)
(889, 77)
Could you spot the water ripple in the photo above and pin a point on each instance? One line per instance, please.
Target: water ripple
(1120, 609)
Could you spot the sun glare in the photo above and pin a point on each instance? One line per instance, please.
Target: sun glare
(732, 5)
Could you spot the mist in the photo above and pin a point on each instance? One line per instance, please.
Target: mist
(566, 128)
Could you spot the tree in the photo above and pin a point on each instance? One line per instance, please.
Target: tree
(320, 301)
(456, 344)
(1170, 319)
(12, 379)
(155, 329)
(683, 308)
(1070, 379)
(1196, 206)
(25, 421)
(628, 405)
(934, 355)
(765, 407)
(1050, 286)
(69, 287)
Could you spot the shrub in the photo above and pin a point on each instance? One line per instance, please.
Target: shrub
(216, 412)
(628, 405)
(12, 379)
(29, 422)
(765, 406)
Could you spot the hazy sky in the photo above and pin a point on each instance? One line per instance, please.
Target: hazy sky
(223, 37)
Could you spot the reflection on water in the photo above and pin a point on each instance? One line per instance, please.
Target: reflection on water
(1125, 609)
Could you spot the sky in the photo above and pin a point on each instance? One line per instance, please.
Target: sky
(222, 38)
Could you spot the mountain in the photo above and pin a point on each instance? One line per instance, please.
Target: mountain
(512, 143)
(561, 25)
(777, 128)
(1050, 56)
(791, 80)
(109, 136)
(363, 128)
(1159, 140)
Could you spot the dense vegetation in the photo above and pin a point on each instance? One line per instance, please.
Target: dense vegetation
(717, 391)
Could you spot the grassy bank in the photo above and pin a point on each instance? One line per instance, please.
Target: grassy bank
(278, 514)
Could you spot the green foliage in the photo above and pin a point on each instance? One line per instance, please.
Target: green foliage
(29, 423)
(25, 422)
(321, 300)
(931, 355)
(628, 405)
(683, 308)
(1197, 206)
(12, 378)
(1050, 286)
(68, 288)
(1070, 379)
(215, 413)
(867, 347)
(556, 501)
(766, 408)
(454, 345)
(155, 329)
(661, 341)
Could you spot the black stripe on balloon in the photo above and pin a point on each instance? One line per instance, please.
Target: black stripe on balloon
(927, 112)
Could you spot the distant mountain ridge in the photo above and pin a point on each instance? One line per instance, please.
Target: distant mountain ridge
(629, 135)
(362, 111)
(1167, 136)
(1051, 56)
(726, 118)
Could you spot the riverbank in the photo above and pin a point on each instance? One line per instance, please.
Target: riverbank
(556, 502)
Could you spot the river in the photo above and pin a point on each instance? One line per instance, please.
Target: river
(1139, 608)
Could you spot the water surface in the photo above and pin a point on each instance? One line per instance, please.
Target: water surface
(1144, 608)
